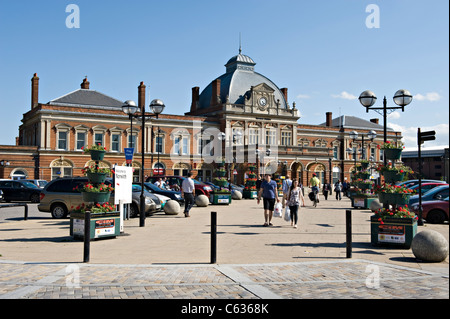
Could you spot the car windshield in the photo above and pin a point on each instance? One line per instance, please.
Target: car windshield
(435, 190)
(29, 184)
(152, 186)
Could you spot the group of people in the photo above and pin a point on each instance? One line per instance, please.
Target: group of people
(292, 196)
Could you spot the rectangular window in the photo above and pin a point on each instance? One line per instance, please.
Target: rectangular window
(270, 137)
(62, 140)
(335, 152)
(81, 140)
(176, 146)
(185, 146)
(286, 138)
(98, 138)
(132, 141)
(115, 142)
(159, 144)
(238, 136)
(253, 137)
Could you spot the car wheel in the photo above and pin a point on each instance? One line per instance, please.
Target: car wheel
(435, 217)
(35, 198)
(134, 211)
(59, 211)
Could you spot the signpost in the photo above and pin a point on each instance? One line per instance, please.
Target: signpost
(123, 180)
(422, 137)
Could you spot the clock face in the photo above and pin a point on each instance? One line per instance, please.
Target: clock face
(263, 101)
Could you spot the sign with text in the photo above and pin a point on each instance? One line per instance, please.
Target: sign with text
(123, 179)
(129, 154)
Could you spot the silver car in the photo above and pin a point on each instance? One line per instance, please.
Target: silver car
(60, 196)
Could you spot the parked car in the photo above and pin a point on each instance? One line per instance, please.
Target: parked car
(425, 187)
(60, 195)
(136, 198)
(433, 211)
(152, 188)
(414, 182)
(175, 182)
(437, 193)
(1, 195)
(20, 191)
(38, 182)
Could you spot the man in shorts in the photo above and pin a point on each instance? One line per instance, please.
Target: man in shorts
(269, 193)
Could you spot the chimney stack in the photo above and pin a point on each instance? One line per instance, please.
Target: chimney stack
(329, 119)
(141, 95)
(285, 93)
(34, 91)
(215, 96)
(374, 121)
(85, 84)
(195, 98)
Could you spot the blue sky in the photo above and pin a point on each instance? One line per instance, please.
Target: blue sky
(322, 51)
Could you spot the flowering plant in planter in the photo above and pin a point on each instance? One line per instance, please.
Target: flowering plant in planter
(95, 208)
(94, 169)
(393, 189)
(90, 188)
(391, 145)
(402, 169)
(94, 147)
(398, 212)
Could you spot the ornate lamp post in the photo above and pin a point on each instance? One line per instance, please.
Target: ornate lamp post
(157, 106)
(402, 98)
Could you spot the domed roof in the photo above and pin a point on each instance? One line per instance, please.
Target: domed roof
(240, 58)
(239, 78)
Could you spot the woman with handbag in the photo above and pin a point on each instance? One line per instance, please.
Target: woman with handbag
(294, 198)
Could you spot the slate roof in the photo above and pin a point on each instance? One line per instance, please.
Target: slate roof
(348, 121)
(83, 97)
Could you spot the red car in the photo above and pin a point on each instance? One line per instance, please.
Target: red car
(434, 211)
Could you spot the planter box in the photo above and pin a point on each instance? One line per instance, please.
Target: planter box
(364, 186)
(96, 197)
(103, 225)
(97, 178)
(392, 153)
(250, 194)
(220, 198)
(392, 177)
(393, 199)
(394, 232)
(363, 175)
(97, 155)
(362, 201)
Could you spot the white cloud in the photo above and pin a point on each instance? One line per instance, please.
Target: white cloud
(431, 97)
(345, 95)
(394, 115)
(410, 135)
(303, 96)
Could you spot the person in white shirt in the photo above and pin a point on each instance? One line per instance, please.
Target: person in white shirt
(188, 189)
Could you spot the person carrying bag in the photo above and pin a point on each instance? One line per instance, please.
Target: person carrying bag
(294, 198)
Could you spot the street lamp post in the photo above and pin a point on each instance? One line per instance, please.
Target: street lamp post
(402, 98)
(354, 136)
(157, 106)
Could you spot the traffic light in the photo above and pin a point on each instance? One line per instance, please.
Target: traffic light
(425, 136)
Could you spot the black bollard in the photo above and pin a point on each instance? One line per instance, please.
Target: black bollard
(87, 236)
(348, 230)
(25, 217)
(213, 237)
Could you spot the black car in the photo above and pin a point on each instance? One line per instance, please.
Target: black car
(20, 191)
(152, 188)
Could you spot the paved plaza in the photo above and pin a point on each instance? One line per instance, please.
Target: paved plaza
(169, 258)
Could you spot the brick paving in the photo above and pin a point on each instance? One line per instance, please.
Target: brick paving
(168, 259)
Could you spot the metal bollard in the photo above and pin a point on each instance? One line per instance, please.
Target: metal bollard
(348, 230)
(213, 237)
(25, 217)
(87, 237)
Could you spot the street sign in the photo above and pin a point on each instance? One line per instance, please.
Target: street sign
(158, 171)
(425, 136)
(129, 151)
(235, 172)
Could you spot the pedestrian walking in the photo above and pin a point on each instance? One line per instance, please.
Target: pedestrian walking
(314, 184)
(187, 189)
(269, 193)
(294, 198)
(287, 183)
(325, 190)
(338, 189)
